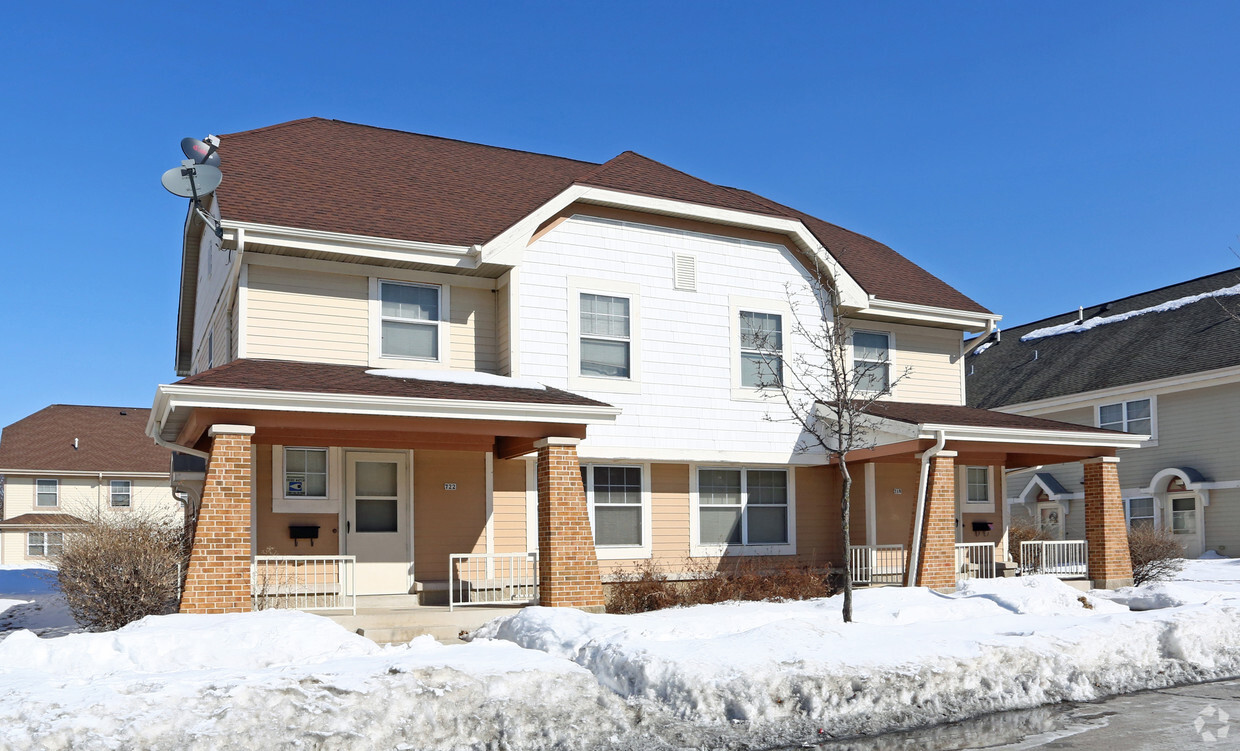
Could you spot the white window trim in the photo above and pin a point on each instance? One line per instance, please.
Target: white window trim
(112, 494)
(698, 550)
(55, 486)
(282, 504)
(736, 305)
(1153, 441)
(891, 359)
(622, 552)
(375, 313)
(576, 381)
(44, 545)
(1153, 510)
(962, 489)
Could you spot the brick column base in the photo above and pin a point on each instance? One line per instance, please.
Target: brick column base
(1106, 531)
(218, 578)
(567, 564)
(935, 566)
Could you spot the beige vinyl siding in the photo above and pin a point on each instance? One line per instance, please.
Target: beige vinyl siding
(307, 316)
(931, 359)
(508, 506)
(503, 352)
(447, 521)
(472, 331)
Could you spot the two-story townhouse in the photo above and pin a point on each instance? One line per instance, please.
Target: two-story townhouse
(415, 347)
(1163, 364)
(69, 463)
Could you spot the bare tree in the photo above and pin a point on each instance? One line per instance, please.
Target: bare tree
(828, 386)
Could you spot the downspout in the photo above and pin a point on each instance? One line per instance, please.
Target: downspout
(981, 338)
(926, 456)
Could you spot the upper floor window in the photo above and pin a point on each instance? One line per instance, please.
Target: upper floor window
(409, 317)
(977, 482)
(872, 360)
(605, 336)
(305, 473)
(1141, 513)
(121, 493)
(46, 493)
(1131, 417)
(762, 346)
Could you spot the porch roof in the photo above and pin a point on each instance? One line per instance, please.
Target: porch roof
(35, 520)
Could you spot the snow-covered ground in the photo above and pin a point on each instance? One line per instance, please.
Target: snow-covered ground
(737, 675)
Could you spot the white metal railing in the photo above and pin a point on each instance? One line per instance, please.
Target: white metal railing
(326, 582)
(877, 564)
(1066, 559)
(492, 579)
(975, 560)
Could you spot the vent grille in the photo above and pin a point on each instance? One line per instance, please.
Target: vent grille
(686, 273)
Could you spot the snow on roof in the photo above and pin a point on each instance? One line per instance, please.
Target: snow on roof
(1076, 328)
(468, 377)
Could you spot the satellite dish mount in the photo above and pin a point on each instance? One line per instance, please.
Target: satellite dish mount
(198, 176)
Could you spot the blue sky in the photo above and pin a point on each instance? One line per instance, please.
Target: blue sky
(1036, 155)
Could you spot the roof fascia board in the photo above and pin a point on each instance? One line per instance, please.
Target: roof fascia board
(83, 473)
(963, 319)
(259, 258)
(1020, 435)
(171, 397)
(1219, 377)
(343, 244)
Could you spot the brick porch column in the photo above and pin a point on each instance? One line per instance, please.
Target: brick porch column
(936, 559)
(1106, 532)
(567, 565)
(218, 579)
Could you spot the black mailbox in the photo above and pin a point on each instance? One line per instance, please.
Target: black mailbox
(303, 532)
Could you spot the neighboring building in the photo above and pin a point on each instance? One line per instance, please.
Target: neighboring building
(1164, 363)
(415, 347)
(69, 463)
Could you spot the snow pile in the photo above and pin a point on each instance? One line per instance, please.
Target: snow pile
(281, 679)
(1076, 328)
(467, 377)
(774, 673)
(1158, 595)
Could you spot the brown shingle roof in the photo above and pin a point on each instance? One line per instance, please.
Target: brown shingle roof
(43, 520)
(319, 378)
(334, 176)
(110, 439)
(971, 417)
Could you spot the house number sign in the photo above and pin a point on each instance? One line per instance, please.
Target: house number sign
(449, 486)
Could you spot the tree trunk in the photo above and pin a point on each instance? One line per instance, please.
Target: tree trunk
(845, 489)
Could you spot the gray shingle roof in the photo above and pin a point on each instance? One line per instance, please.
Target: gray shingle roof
(1200, 336)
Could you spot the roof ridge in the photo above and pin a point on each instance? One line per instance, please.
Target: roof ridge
(276, 126)
(1126, 297)
(629, 152)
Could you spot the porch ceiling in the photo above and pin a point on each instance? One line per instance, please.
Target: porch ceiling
(505, 438)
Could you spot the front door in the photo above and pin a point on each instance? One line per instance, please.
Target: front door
(1186, 523)
(1050, 520)
(377, 521)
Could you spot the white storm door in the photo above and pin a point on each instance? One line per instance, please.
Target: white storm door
(377, 521)
(1186, 523)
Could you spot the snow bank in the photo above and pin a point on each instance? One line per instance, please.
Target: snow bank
(1160, 595)
(1037, 595)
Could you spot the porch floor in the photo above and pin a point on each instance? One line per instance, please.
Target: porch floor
(395, 619)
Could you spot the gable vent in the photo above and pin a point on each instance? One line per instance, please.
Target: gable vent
(686, 273)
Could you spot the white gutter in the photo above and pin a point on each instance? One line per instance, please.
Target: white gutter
(926, 456)
(990, 329)
(179, 448)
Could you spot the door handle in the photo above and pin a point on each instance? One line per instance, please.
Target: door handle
(348, 526)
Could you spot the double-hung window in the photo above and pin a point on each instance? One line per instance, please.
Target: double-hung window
(977, 483)
(743, 507)
(605, 336)
(46, 493)
(1131, 417)
(409, 319)
(1140, 513)
(44, 544)
(872, 360)
(305, 472)
(615, 495)
(762, 347)
(121, 493)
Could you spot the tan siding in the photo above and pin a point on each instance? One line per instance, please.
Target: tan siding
(669, 521)
(818, 513)
(271, 529)
(931, 358)
(472, 329)
(307, 316)
(447, 521)
(509, 506)
(503, 353)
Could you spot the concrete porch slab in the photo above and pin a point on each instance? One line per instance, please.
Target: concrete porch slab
(393, 620)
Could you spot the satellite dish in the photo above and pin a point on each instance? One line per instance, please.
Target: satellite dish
(192, 180)
(201, 151)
